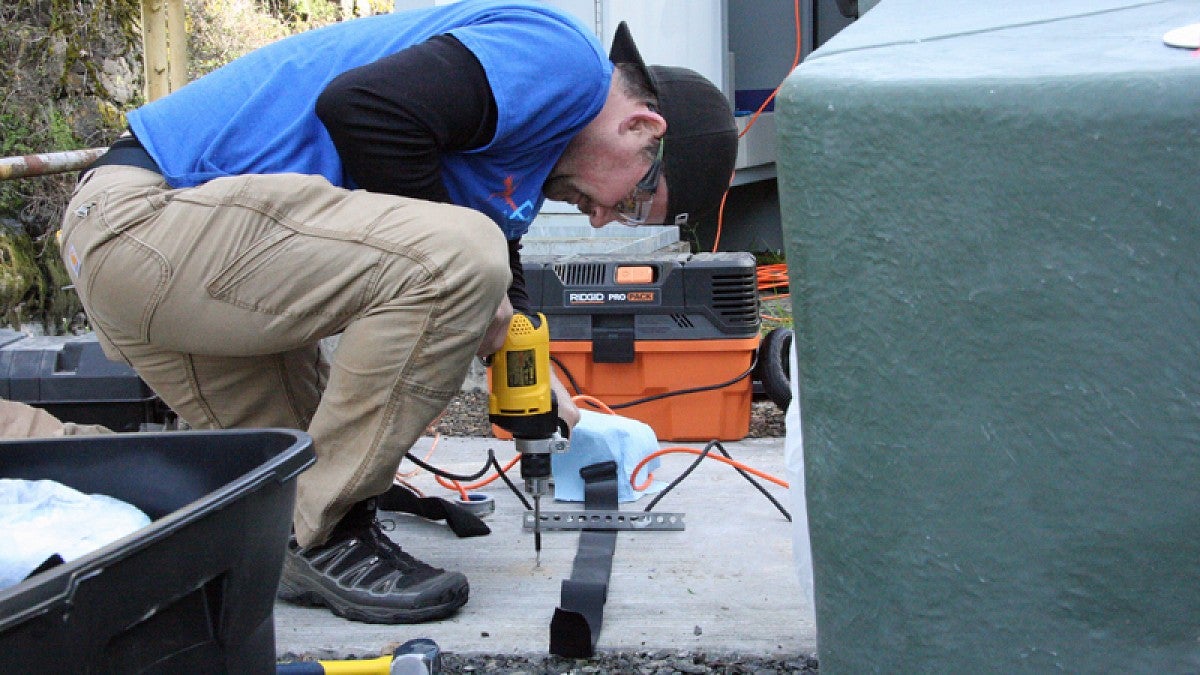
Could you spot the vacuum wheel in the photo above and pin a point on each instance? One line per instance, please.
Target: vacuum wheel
(774, 366)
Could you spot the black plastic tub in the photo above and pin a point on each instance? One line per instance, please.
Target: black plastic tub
(194, 591)
(71, 378)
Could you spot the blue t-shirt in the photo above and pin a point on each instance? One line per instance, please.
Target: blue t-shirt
(549, 77)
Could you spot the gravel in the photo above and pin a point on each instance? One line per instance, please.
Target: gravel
(467, 416)
(636, 663)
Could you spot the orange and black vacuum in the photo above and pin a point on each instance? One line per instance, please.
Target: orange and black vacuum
(642, 329)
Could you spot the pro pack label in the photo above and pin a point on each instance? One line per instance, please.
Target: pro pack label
(625, 297)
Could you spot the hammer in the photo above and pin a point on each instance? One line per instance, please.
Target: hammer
(419, 656)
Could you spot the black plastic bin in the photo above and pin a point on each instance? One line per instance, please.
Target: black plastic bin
(194, 591)
(71, 378)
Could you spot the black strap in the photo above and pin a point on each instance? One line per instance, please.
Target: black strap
(575, 627)
(48, 564)
(126, 151)
(463, 522)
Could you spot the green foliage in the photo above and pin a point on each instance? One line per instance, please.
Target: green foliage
(304, 14)
(776, 312)
(60, 133)
(222, 30)
(776, 302)
(14, 132)
(770, 257)
(56, 94)
(53, 99)
(32, 291)
(21, 282)
(219, 31)
(18, 267)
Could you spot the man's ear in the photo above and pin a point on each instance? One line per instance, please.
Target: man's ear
(644, 121)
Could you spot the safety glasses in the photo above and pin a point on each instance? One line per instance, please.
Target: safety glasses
(635, 208)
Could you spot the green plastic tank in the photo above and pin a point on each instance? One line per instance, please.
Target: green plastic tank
(992, 220)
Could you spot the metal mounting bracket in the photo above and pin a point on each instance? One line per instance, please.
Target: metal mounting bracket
(595, 519)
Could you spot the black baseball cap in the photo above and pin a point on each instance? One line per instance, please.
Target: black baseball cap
(700, 147)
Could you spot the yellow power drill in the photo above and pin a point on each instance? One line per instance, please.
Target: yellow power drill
(522, 403)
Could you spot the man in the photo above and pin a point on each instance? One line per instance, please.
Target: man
(371, 178)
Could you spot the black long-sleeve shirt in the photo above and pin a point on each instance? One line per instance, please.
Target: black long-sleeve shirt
(393, 119)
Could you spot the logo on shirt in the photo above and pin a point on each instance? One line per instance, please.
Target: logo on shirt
(522, 212)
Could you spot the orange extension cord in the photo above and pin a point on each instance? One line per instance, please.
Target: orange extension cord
(754, 118)
(462, 489)
(771, 277)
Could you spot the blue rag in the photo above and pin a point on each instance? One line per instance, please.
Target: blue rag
(600, 437)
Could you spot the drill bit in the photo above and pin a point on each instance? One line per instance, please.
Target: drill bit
(537, 531)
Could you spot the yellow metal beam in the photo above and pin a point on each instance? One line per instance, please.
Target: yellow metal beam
(164, 47)
(154, 49)
(177, 43)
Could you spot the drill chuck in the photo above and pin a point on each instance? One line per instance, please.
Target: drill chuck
(535, 469)
(536, 466)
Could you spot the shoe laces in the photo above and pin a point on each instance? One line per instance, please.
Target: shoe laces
(357, 548)
(387, 550)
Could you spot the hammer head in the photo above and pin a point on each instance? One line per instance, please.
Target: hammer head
(419, 656)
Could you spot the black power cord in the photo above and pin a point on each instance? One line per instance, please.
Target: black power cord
(695, 463)
(665, 394)
(490, 464)
(707, 448)
(493, 463)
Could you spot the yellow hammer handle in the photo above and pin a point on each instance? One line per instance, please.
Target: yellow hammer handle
(379, 666)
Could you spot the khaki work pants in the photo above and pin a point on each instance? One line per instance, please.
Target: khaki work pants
(18, 420)
(218, 295)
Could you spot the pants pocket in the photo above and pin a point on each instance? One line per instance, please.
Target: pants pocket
(250, 265)
(125, 282)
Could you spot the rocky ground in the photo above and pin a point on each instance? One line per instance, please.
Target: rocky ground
(637, 663)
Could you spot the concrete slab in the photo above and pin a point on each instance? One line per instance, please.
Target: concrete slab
(725, 584)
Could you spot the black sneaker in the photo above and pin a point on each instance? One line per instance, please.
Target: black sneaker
(361, 575)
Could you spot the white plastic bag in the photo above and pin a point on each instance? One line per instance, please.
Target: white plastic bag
(41, 518)
(794, 457)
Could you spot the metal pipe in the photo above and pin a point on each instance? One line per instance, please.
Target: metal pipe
(47, 163)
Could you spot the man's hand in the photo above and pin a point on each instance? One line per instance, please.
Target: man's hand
(567, 410)
(493, 339)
